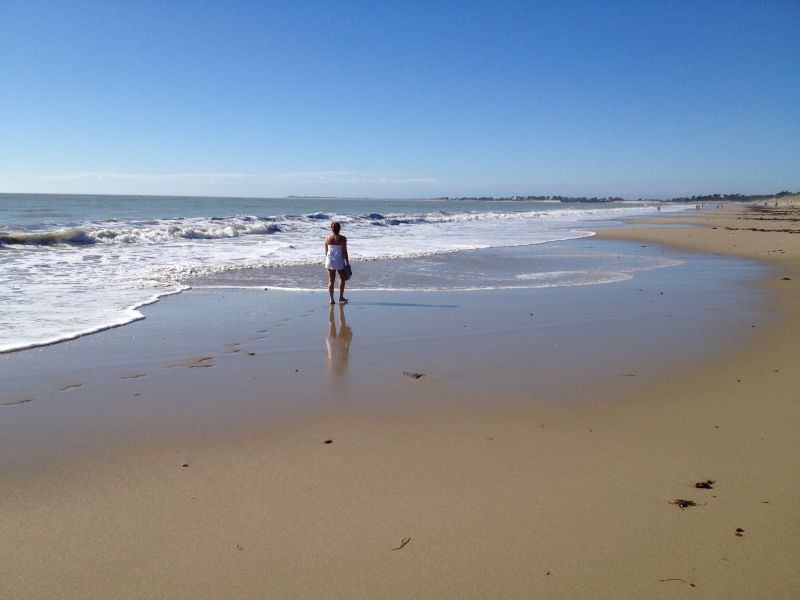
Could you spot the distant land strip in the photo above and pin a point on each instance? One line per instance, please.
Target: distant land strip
(693, 199)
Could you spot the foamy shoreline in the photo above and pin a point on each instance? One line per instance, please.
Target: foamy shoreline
(77, 265)
(425, 488)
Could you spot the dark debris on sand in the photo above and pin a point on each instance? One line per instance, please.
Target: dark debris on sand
(684, 504)
(708, 484)
(677, 579)
(403, 543)
(14, 401)
(414, 375)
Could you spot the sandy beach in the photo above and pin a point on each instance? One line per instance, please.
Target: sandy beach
(415, 447)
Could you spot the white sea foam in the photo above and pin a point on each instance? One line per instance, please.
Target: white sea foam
(58, 282)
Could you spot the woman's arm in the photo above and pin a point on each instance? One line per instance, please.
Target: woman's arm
(326, 247)
(344, 251)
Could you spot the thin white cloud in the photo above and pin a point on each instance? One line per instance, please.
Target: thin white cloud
(353, 184)
(227, 183)
(235, 178)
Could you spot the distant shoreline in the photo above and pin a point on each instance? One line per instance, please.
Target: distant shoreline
(540, 198)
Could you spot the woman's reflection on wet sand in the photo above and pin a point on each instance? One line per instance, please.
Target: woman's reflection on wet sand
(338, 342)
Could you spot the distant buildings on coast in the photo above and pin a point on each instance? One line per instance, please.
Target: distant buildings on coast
(691, 199)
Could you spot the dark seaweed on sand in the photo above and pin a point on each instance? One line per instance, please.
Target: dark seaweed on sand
(708, 484)
(684, 504)
(413, 375)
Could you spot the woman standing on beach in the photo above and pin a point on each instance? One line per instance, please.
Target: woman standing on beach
(335, 260)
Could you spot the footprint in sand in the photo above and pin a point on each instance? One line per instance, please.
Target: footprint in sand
(65, 387)
(132, 376)
(199, 362)
(232, 348)
(16, 400)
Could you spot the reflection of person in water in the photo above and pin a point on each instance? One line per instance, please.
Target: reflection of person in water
(338, 343)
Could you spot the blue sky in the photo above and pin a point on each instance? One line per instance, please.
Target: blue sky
(399, 99)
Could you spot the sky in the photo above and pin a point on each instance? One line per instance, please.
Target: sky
(400, 99)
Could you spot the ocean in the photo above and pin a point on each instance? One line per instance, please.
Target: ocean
(71, 265)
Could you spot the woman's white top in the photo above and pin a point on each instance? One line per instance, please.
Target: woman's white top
(335, 258)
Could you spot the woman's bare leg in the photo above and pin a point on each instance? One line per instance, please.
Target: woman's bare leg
(341, 287)
(331, 279)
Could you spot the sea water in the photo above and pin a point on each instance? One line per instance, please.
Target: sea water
(71, 265)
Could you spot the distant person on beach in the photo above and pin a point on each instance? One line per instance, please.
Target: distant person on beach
(335, 260)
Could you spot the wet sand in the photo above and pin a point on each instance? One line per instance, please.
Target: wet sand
(291, 451)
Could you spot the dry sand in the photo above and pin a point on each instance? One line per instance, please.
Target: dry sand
(449, 498)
